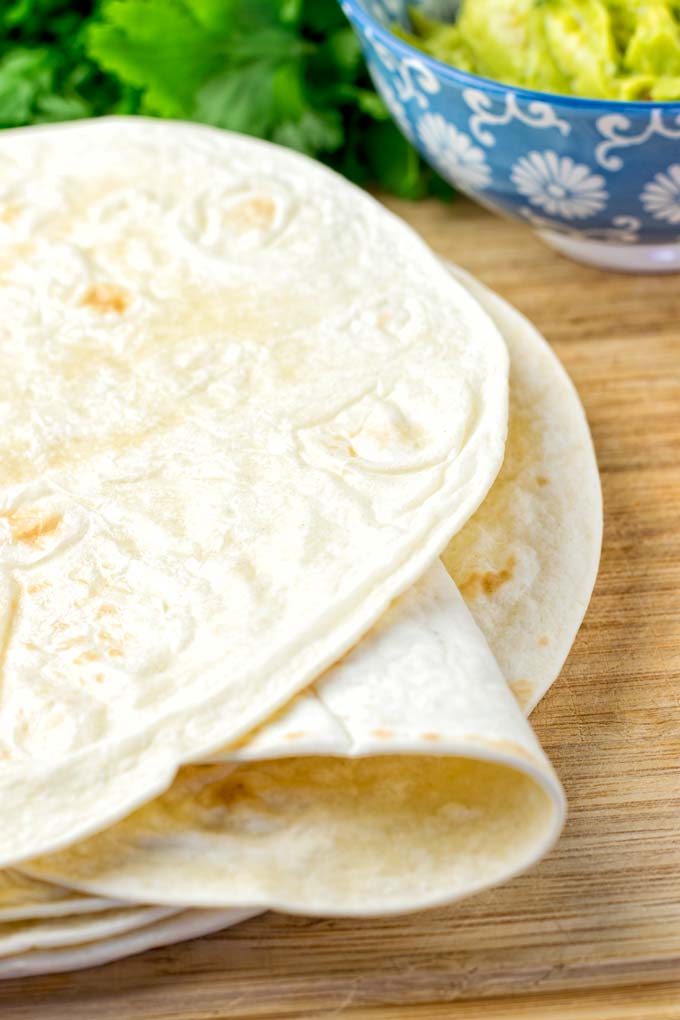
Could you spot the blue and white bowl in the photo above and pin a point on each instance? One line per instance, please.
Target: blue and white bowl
(599, 180)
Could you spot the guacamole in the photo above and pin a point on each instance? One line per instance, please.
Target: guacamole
(603, 49)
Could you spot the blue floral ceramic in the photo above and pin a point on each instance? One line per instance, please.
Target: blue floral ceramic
(600, 180)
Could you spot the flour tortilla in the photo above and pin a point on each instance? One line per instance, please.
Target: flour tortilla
(23, 898)
(188, 924)
(244, 408)
(526, 562)
(51, 932)
(408, 779)
(565, 512)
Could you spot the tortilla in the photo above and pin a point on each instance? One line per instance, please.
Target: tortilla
(241, 412)
(23, 898)
(189, 924)
(408, 779)
(547, 494)
(49, 932)
(526, 562)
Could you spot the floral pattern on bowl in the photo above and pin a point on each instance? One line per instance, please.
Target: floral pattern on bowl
(598, 179)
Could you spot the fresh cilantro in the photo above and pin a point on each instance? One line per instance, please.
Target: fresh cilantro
(287, 70)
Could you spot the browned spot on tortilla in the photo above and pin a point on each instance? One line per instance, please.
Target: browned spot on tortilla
(489, 582)
(382, 733)
(72, 642)
(111, 644)
(30, 526)
(542, 480)
(105, 298)
(431, 736)
(257, 212)
(238, 793)
(9, 212)
(241, 742)
(544, 640)
(523, 691)
(59, 625)
(87, 657)
(296, 735)
(106, 609)
(99, 678)
(38, 586)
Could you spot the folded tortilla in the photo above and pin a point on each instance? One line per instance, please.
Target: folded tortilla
(528, 605)
(408, 778)
(243, 408)
(385, 832)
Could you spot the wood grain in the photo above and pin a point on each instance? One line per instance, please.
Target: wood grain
(603, 910)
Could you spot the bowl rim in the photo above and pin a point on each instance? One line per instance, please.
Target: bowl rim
(466, 78)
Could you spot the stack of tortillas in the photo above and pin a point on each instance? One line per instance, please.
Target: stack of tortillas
(275, 591)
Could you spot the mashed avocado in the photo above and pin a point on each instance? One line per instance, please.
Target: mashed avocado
(603, 49)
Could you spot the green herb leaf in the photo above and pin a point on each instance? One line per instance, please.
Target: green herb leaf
(290, 71)
(158, 47)
(394, 162)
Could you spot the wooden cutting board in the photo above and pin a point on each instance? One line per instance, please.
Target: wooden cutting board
(594, 931)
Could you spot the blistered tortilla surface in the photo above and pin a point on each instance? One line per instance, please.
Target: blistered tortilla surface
(242, 408)
(348, 835)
